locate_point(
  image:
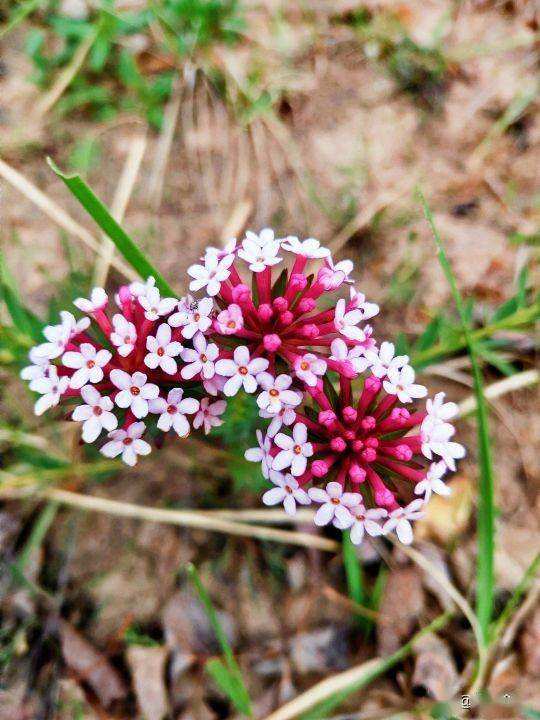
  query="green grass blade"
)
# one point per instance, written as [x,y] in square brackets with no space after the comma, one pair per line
[37,535]
[354,575]
[486,506]
[25,321]
[241,694]
[18,15]
[99,213]
[514,600]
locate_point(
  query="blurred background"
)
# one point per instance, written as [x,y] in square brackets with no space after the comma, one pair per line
[194,120]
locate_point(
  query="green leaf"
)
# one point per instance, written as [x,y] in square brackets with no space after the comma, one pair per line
[330,391]
[496,359]
[355,576]
[486,506]
[99,213]
[228,683]
[24,320]
[430,334]
[37,535]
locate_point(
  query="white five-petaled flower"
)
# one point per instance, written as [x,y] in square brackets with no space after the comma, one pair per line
[309,367]
[439,410]
[294,451]
[275,393]
[208,415]
[38,369]
[155,306]
[400,520]
[230,320]
[264,238]
[124,335]
[88,364]
[98,300]
[192,316]
[228,249]
[333,275]
[241,370]
[368,309]
[135,392]
[161,351]
[127,443]
[346,322]
[50,389]
[366,521]
[58,336]
[211,274]
[354,356]
[95,415]
[286,416]
[309,248]
[383,360]
[433,482]
[287,491]
[258,256]
[172,411]
[138,288]
[335,505]
[401,383]
[201,358]
[261,454]
[436,439]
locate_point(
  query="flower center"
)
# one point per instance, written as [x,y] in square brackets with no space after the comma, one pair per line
[160,351]
[127,340]
[243,370]
[197,317]
[231,324]
[297,449]
[55,390]
[304,365]
[90,364]
[204,358]
[335,501]
[135,390]
[288,489]
[127,441]
[171,409]
[273,392]
[97,410]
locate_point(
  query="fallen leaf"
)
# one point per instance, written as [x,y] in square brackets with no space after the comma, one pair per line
[435,674]
[147,666]
[404,583]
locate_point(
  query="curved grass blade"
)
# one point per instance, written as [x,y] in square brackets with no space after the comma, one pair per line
[99,213]
[486,506]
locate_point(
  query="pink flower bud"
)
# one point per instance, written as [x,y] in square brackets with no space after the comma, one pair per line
[400,415]
[356,473]
[372,384]
[280,304]
[124,294]
[403,452]
[309,331]
[368,423]
[338,444]
[271,342]
[369,455]
[265,312]
[241,293]
[298,281]
[306,305]
[349,414]
[357,445]
[372,442]
[319,468]
[286,317]
[384,498]
[327,417]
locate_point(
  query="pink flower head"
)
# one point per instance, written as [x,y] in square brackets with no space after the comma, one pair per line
[272,294]
[141,362]
[368,450]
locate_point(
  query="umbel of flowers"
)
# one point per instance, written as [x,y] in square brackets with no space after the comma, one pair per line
[362,456]
[147,364]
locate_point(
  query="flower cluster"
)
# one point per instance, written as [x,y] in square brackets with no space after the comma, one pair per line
[147,365]
[282,321]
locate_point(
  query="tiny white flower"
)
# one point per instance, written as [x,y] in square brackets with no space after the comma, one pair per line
[366,521]
[275,393]
[287,491]
[95,415]
[439,410]
[193,316]
[333,275]
[155,306]
[50,388]
[354,356]
[383,360]
[208,415]
[138,288]
[135,392]
[286,416]
[161,351]
[436,439]
[211,274]
[98,300]
[241,371]
[261,454]
[335,505]
[367,309]
[258,256]
[401,383]
[228,249]
[294,450]
[346,322]
[265,238]
[433,482]
[400,520]
[58,336]
[214,385]
[127,443]
[124,335]
[38,369]
[309,248]
[200,359]
[88,364]
[309,367]
[172,411]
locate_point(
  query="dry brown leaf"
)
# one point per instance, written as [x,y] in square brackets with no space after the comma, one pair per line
[404,583]
[530,644]
[91,666]
[147,666]
[435,674]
